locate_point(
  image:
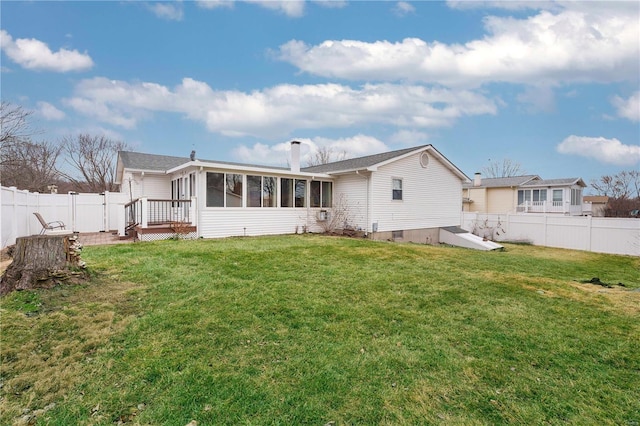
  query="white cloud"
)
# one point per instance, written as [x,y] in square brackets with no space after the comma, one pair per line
[215,4]
[278,110]
[538,99]
[608,151]
[50,112]
[549,49]
[279,154]
[36,55]
[173,10]
[628,108]
[502,4]
[332,4]
[291,8]
[409,137]
[402,8]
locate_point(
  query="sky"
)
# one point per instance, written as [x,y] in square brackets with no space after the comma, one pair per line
[553,86]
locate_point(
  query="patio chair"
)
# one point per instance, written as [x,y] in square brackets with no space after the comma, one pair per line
[49,226]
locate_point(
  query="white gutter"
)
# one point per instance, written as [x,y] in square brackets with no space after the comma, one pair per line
[241,168]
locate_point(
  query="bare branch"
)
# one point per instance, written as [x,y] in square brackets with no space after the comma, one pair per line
[325,155]
[93,158]
[504,168]
[14,124]
[30,165]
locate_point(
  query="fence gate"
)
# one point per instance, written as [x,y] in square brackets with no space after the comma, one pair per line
[88,212]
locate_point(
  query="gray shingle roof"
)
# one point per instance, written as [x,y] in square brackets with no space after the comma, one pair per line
[556,182]
[140,161]
[360,162]
[503,182]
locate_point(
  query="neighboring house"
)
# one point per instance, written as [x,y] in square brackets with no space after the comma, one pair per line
[405,195]
[595,205]
[523,194]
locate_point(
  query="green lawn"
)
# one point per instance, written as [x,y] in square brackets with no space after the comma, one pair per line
[311,330]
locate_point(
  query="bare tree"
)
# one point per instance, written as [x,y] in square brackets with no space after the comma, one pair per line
[93,159]
[14,125]
[325,155]
[29,165]
[623,190]
[624,185]
[504,168]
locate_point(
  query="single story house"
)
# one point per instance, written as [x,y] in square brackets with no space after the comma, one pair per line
[595,205]
[523,194]
[402,195]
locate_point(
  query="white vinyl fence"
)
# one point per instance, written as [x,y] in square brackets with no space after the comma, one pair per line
[597,234]
[79,212]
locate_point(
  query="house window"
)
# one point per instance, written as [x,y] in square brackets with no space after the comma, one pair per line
[327,194]
[557,197]
[576,197]
[321,194]
[396,192]
[293,192]
[175,189]
[315,193]
[254,191]
[539,195]
[269,191]
[301,193]
[233,191]
[192,184]
[261,191]
[215,189]
[397,235]
[286,192]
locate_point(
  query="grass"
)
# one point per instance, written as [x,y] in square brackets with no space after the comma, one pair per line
[312,330]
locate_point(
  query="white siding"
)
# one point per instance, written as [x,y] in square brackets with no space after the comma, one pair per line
[350,192]
[232,222]
[154,186]
[217,222]
[431,197]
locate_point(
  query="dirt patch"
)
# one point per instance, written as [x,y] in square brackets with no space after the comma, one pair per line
[627,300]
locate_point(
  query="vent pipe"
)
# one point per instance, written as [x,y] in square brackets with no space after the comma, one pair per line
[295,156]
[477,179]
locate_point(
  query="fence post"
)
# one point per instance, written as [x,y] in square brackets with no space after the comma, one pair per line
[144,212]
[589,232]
[105,210]
[14,214]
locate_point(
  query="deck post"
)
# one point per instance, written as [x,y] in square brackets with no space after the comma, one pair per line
[144,212]
[122,218]
[193,211]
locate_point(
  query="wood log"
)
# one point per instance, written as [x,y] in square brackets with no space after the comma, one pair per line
[42,261]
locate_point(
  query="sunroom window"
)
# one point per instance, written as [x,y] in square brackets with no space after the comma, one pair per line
[321,194]
[233,193]
[215,189]
[261,191]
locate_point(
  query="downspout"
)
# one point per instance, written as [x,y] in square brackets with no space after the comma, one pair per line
[367,219]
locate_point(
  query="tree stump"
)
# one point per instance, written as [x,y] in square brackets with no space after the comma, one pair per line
[42,261]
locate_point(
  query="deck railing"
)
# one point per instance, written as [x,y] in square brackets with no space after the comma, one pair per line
[148,212]
[548,207]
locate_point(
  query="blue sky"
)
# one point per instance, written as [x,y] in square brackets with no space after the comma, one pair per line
[552,85]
